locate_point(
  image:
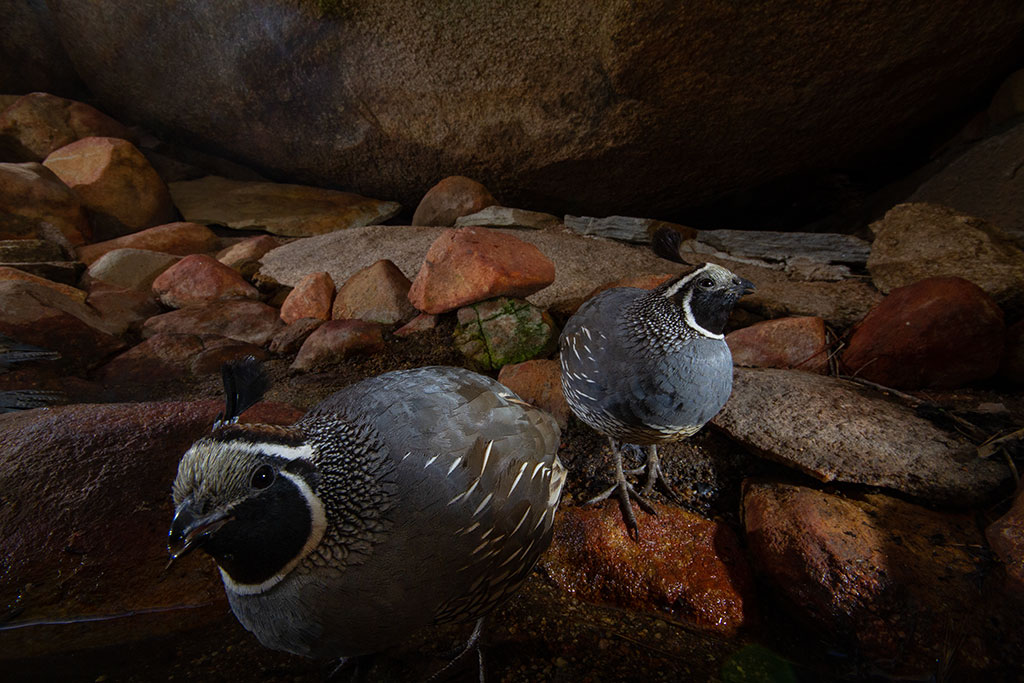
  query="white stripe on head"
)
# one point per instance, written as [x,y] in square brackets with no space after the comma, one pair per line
[674,289]
[692,322]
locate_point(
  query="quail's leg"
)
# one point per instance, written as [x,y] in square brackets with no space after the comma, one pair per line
[625,492]
[656,476]
[472,644]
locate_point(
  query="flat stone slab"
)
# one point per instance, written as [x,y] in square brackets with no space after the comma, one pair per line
[835,430]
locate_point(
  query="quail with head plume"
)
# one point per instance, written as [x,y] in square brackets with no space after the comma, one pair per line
[651,366]
[413,498]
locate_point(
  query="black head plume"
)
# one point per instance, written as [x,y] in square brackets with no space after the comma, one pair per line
[665,244]
[245,382]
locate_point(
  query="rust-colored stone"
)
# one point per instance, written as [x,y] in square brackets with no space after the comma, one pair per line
[336,340]
[797,342]
[244,320]
[452,198]
[31,196]
[311,298]
[378,293]
[199,279]
[180,238]
[540,383]
[39,123]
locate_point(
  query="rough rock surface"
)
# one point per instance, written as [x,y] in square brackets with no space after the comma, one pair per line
[38,123]
[115,182]
[650,126]
[336,340]
[293,336]
[122,309]
[834,430]
[539,382]
[180,238]
[684,565]
[248,321]
[939,332]
[798,343]
[505,217]
[200,279]
[466,265]
[496,332]
[8,273]
[165,357]
[100,549]
[31,196]
[311,298]
[901,581]
[279,208]
[918,241]
[245,256]
[130,268]
[378,293]
[450,199]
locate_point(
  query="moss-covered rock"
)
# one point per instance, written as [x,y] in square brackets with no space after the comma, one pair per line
[496,332]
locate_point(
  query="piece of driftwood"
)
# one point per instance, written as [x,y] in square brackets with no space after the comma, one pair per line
[786,247]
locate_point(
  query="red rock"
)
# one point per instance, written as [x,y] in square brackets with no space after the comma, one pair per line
[378,293]
[467,265]
[424,322]
[538,382]
[122,309]
[336,340]
[36,124]
[245,255]
[291,338]
[891,575]
[1006,538]
[1012,367]
[684,566]
[115,182]
[798,343]
[199,279]
[180,239]
[100,549]
[168,357]
[244,320]
[8,273]
[939,332]
[311,298]
[39,315]
[453,197]
[30,195]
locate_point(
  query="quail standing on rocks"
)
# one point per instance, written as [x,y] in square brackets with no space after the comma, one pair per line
[650,366]
[413,498]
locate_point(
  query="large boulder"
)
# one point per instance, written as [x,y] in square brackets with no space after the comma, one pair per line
[605,106]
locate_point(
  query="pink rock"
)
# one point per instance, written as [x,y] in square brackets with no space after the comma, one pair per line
[30,196]
[199,279]
[293,336]
[538,382]
[122,309]
[467,265]
[684,566]
[244,320]
[453,197]
[180,238]
[424,322]
[311,298]
[39,123]
[939,332]
[798,343]
[1006,538]
[115,182]
[245,256]
[336,340]
[378,293]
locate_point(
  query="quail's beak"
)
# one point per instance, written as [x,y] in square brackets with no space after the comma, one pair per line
[189,530]
[742,286]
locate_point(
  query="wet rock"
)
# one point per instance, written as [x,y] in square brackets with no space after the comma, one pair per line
[798,343]
[451,198]
[685,566]
[835,430]
[1012,367]
[130,268]
[624,228]
[311,298]
[539,382]
[31,196]
[467,265]
[1006,538]
[93,566]
[497,332]
[180,238]
[424,322]
[37,124]
[293,336]
[245,255]
[9,274]
[336,340]
[377,293]
[279,208]
[200,279]
[38,314]
[893,577]
[505,217]
[116,184]
[939,332]
[918,241]
[122,309]
[244,320]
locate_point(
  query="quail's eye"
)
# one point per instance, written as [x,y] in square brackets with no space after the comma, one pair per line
[262,477]
[706,283]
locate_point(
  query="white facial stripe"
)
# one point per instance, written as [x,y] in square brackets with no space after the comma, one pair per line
[303,452]
[318,527]
[674,289]
[692,322]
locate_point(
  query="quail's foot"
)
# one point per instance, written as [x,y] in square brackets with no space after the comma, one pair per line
[473,643]
[656,477]
[625,493]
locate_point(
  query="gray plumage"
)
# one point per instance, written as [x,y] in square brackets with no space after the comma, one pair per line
[437,488]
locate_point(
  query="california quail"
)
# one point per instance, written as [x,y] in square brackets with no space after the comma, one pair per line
[413,498]
[650,366]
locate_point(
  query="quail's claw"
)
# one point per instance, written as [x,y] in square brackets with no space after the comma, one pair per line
[656,477]
[626,493]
